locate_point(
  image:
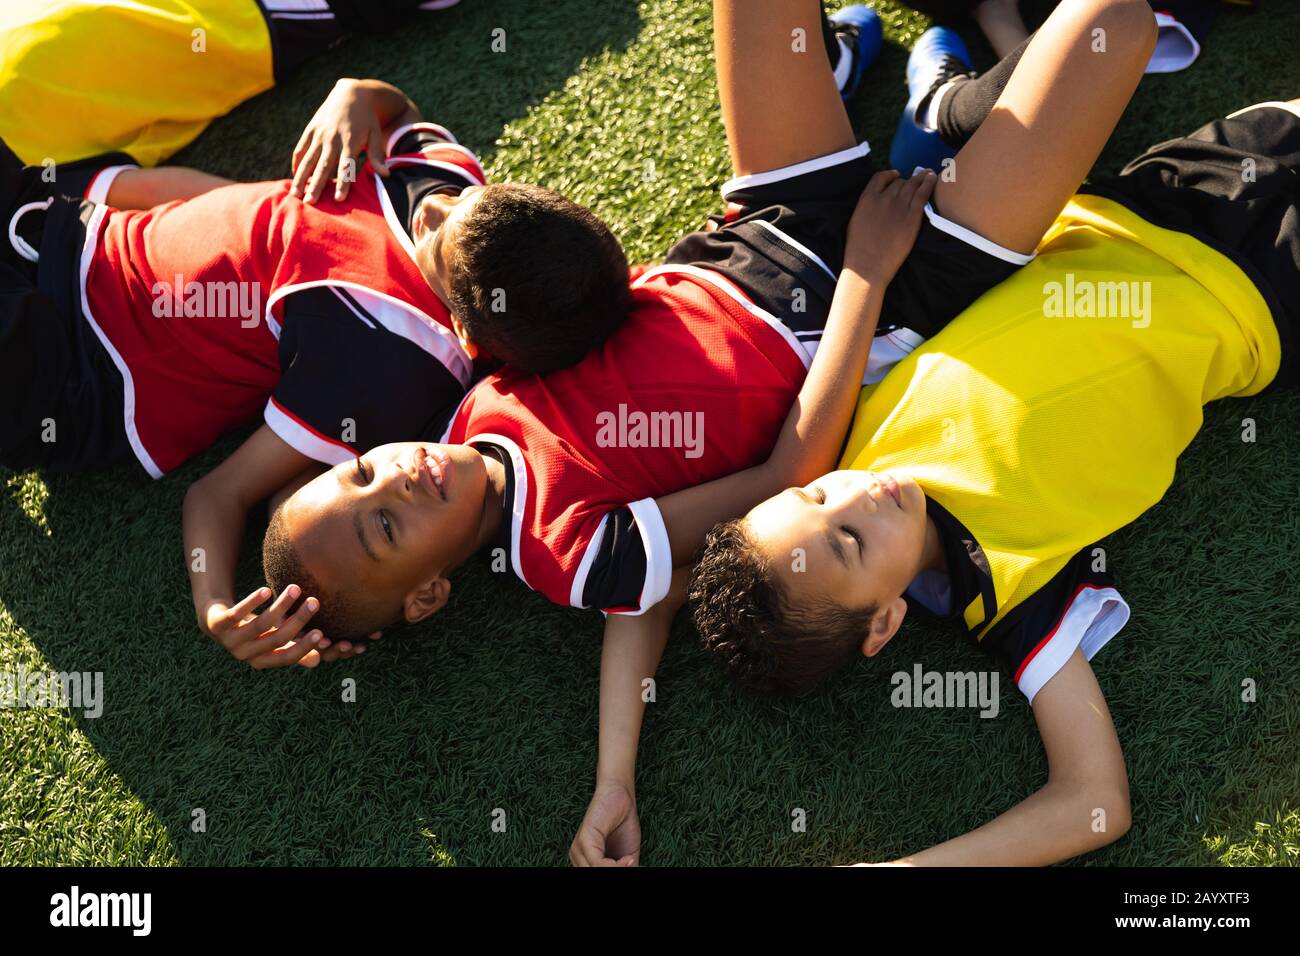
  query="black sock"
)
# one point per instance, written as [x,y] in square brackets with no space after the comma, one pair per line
[971,99]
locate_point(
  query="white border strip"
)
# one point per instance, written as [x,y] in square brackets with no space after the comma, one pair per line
[1094,616]
[394,224]
[350,307]
[277,6]
[103,182]
[434,128]
[792,242]
[886,351]
[404,159]
[407,321]
[303,440]
[721,283]
[972,238]
[451,422]
[798,169]
[658,554]
[520,500]
[584,567]
[128,383]
[1276,104]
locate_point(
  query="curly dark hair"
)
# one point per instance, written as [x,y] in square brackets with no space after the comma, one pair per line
[766,644]
[537,280]
[282,565]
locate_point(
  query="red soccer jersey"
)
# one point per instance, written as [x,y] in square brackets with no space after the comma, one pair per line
[186,299]
[693,386]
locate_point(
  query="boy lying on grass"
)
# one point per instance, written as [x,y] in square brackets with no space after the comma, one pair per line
[146,312]
[981,472]
[595,514]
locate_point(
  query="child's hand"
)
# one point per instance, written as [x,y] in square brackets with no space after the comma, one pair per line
[346,125]
[343,650]
[265,640]
[610,834]
[885,223]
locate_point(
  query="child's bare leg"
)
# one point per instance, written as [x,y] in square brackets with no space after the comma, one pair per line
[1050,123]
[779,100]
[1002,24]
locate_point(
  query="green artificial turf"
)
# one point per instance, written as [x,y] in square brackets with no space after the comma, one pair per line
[494,704]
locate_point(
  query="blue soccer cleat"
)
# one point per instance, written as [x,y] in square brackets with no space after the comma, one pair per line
[859,27]
[937,57]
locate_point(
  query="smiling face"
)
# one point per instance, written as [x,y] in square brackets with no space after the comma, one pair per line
[387,528]
[860,535]
[434,228]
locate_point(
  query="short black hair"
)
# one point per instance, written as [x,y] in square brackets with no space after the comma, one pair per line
[282,565]
[537,280]
[765,644]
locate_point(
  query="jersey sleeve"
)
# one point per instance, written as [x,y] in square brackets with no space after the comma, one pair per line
[428,153]
[617,573]
[627,566]
[1079,608]
[424,158]
[347,383]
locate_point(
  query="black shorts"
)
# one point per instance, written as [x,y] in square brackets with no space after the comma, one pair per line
[1234,184]
[783,240]
[60,393]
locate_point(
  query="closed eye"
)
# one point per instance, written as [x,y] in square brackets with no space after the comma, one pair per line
[386,525]
[820,494]
[363,478]
[855,536]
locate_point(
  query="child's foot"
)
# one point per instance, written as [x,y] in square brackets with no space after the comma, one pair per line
[938,57]
[861,35]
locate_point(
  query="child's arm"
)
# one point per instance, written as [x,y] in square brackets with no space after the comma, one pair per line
[610,834]
[215,512]
[1083,806]
[880,235]
[146,188]
[352,120]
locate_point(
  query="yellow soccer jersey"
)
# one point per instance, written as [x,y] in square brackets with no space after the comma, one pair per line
[1051,412]
[84,77]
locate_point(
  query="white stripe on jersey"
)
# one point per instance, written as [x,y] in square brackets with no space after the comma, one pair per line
[347,302]
[658,554]
[302,439]
[434,128]
[520,498]
[584,567]
[400,318]
[128,383]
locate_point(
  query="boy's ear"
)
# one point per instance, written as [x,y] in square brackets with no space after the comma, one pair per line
[426,600]
[884,626]
[463,334]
